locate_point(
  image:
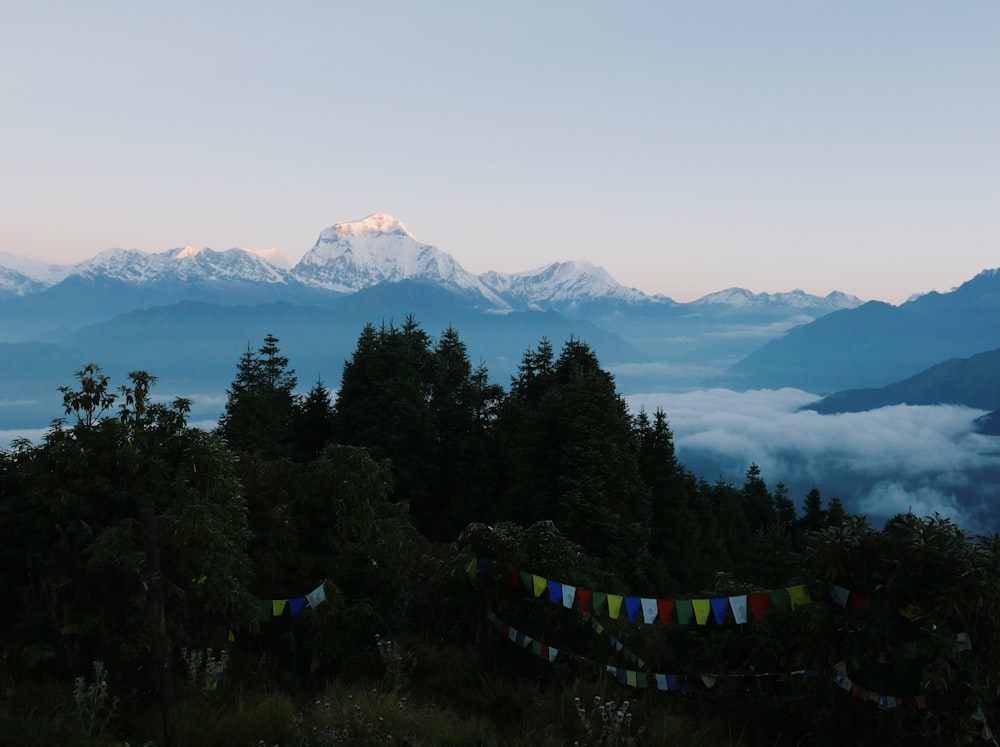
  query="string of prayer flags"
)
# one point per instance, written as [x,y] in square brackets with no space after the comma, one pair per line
[884,702]
[549,653]
[642,679]
[701,610]
[271,608]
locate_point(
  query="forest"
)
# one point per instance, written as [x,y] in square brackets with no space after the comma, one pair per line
[419,556]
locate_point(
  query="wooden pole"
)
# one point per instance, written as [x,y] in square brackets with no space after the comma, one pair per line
[161,650]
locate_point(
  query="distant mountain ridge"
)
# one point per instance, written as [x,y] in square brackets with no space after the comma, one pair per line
[972,382]
[348,257]
[876,344]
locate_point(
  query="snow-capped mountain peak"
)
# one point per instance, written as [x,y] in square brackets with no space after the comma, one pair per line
[186,264]
[23,276]
[741,298]
[348,257]
[561,284]
[376,223]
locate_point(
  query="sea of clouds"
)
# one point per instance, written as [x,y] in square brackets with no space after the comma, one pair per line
[925,459]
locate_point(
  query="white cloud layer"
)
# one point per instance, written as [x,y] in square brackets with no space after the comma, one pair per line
[926,459]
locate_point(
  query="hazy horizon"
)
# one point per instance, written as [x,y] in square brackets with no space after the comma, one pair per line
[682,297]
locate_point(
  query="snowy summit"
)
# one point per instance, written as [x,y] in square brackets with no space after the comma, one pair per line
[374,223]
[350,256]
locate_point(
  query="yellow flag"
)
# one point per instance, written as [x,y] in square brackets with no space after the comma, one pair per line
[470,569]
[701,609]
[799,596]
[231,636]
[630,678]
[278,606]
[539,583]
[614,606]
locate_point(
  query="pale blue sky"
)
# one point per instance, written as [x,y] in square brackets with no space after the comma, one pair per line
[683,146]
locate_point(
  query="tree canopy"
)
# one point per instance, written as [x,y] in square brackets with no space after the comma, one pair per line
[426,502]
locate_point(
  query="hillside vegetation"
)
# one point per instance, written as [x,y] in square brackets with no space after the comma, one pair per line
[430,558]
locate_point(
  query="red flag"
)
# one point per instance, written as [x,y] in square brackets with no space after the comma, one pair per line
[760,603]
[666,608]
[583,597]
[860,603]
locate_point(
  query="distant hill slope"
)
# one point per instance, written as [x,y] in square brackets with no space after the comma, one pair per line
[876,344]
[973,382]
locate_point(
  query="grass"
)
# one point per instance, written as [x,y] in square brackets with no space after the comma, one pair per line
[452,700]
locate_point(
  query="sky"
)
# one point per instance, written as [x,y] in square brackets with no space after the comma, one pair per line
[685,147]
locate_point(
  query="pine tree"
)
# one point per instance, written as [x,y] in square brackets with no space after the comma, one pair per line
[758,504]
[461,406]
[675,534]
[261,402]
[312,422]
[784,507]
[383,404]
[813,515]
[573,456]
[835,513]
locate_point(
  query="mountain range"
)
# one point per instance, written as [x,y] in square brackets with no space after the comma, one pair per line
[186,315]
[876,344]
[347,258]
